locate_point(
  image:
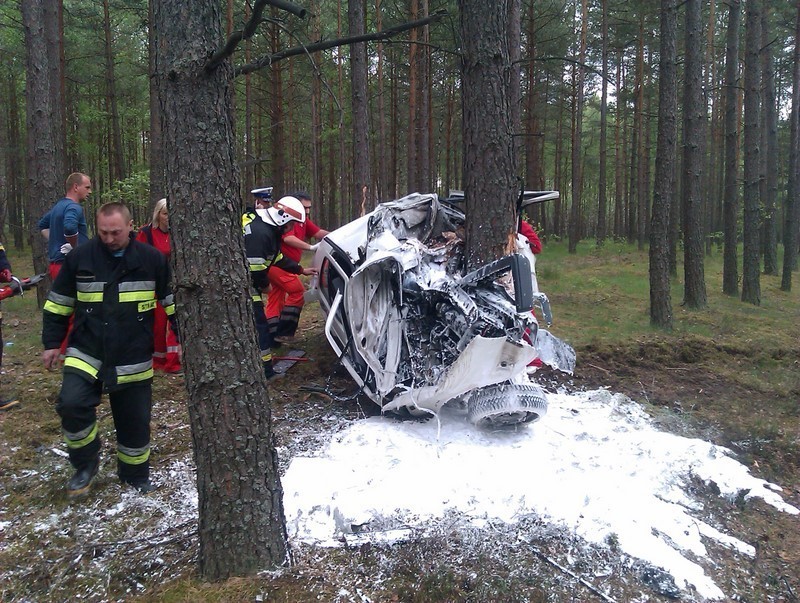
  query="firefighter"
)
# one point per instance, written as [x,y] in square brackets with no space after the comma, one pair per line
[263,229]
[6,402]
[111,285]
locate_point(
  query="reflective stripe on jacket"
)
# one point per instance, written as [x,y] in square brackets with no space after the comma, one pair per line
[113,302]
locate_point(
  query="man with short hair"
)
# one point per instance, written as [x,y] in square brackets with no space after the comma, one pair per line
[286,297]
[64,226]
[111,285]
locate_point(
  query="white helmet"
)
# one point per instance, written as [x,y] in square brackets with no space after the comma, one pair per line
[285,210]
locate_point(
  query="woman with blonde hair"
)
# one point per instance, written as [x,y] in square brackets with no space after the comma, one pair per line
[166,351]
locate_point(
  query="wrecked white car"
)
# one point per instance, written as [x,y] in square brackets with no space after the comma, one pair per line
[417,332]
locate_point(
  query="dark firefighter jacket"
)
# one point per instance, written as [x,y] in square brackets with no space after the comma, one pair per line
[262,243]
[113,301]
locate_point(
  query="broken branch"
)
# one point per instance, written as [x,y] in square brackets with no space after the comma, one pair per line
[325,45]
[250,28]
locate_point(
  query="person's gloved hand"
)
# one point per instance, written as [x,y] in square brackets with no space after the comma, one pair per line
[65,248]
[5,275]
[313,247]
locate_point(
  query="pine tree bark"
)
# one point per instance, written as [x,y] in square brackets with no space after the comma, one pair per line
[730,205]
[277,140]
[241,522]
[664,188]
[381,143]
[769,148]
[158,183]
[15,173]
[117,169]
[489,168]
[362,180]
[751,283]
[619,154]
[576,214]
[694,120]
[45,150]
[641,154]
[792,219]
[534,157]
[603,152]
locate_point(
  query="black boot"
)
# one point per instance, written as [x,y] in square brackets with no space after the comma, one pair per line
[144,486]
[80,482]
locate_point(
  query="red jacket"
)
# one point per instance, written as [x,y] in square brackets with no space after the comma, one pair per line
[155,237]
[529,233]
[302,231]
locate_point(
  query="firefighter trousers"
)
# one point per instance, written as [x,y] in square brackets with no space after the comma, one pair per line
[265,339]
[130,406]
[284,301]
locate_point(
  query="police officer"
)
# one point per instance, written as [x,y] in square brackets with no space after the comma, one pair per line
[111,284]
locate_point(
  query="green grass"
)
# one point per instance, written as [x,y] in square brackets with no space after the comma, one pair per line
[603,296]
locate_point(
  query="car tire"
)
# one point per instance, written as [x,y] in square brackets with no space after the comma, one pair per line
[506,405]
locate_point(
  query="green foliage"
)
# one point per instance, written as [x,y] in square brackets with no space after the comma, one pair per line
[133,191]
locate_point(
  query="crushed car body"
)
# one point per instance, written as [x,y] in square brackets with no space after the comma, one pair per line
[417,332]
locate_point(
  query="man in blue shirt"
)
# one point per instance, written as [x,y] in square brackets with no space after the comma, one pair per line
[64,226]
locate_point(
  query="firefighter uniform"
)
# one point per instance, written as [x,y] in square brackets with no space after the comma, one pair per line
[262,243]
[110,348]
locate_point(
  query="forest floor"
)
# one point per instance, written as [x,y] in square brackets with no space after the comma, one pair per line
[738,391]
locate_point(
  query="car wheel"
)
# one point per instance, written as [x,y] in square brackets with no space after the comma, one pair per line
[506,404]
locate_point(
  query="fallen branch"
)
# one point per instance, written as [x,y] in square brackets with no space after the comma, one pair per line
[147,542]
[599,368]
[575,576]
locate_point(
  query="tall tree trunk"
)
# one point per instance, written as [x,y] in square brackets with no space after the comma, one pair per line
[158,183]
[751,282]
[249,156]
[362,181]
[769,149]
[534,157]
[619,154]
[424,182]
[53,40]
[792,220]
[577,137]
[664,189]
[558,178]
[14,162]
[633,164]
[394,139]
[489,169]
[346,201]
[277,140]
[694,121]
[641,154]
[45,150]
[381,143]
[515,53]
[317,175]
[117,169]
[412,150]
[602,185]
[707,192]
[241,522]
[730,270]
